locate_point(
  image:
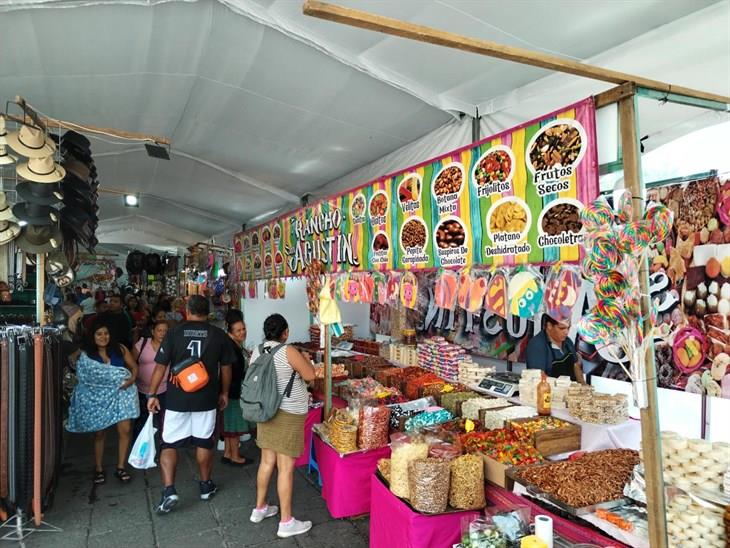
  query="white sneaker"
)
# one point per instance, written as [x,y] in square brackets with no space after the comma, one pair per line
[245,437]
[257,516]
[294,527]
[221,445]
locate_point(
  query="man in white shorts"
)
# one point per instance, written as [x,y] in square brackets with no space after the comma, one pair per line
[190,416]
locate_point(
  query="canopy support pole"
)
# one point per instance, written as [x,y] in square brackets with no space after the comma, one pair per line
[650,439]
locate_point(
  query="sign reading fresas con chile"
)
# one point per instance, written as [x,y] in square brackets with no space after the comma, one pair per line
[512,198]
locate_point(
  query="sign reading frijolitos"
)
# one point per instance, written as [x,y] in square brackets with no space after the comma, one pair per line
[513,198]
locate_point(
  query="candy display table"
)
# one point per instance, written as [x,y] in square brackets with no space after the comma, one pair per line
[394,523]
[345,479]
[313,417]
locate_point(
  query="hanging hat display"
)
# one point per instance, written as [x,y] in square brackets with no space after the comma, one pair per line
[39,193]
[41,170]
[35,214]
[31,142]
[78,169]
[39,239]
[8,232]
[76,144]
[5,157]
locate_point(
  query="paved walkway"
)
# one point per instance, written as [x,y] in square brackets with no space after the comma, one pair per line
[122,516]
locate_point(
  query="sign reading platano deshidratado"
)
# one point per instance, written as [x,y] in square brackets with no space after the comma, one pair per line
[513,198]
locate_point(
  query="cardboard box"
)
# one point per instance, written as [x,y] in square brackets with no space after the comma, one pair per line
[495,472]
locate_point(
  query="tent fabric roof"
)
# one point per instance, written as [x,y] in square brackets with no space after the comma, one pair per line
[263,104]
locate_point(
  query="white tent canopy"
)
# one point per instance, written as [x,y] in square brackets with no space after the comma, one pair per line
[264,105]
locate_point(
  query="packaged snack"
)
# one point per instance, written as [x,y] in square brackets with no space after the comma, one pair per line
[467,483]
[373,427]
[404,450]
[428,485]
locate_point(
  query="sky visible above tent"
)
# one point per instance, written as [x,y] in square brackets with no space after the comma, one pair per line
[263,104]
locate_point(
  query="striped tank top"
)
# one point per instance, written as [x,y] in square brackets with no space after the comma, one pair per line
[298,402]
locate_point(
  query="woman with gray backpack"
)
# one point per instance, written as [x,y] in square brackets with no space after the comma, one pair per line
[274,394]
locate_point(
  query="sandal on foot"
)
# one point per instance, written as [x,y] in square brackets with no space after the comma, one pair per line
[99,477]
[122,475]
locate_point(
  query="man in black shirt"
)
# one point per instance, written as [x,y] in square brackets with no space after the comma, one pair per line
[190,416]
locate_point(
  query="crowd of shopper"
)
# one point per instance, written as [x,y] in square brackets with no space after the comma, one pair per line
[135,344]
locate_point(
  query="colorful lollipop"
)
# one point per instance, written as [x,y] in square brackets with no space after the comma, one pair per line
[593,330]
[611,285]
[602,249]
[611,313]
[635,237]
[660,219]
[596,215]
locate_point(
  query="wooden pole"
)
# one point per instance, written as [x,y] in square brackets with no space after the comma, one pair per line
[40,288]
[650,439]
[327,370]
[430,35]
[44,122]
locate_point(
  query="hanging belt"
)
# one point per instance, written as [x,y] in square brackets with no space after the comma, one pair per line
[4,396]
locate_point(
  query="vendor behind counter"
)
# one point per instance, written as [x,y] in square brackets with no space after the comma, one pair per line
[553,352]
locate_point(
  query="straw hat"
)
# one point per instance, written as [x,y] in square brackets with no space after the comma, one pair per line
[5,157]
[41,170]
[35,214]
[3,131]
[31,142]
[39,239]
[6,213]
[8,232]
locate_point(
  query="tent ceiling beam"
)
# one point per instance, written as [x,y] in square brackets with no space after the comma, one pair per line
[44,122]
[430,35]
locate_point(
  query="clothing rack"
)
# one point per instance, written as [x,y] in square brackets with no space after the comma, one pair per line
[31,430]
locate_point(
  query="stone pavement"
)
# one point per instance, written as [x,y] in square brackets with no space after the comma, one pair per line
[114,515]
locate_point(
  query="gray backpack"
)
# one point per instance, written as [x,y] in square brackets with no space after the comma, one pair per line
[260,398]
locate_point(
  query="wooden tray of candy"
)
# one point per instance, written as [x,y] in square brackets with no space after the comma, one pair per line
[555,441]
[513,474]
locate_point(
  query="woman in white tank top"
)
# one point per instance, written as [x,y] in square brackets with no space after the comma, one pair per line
[281,439]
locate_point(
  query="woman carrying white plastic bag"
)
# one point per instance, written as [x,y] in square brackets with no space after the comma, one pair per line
[143,451]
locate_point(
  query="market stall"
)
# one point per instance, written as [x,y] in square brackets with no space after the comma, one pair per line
[466,252]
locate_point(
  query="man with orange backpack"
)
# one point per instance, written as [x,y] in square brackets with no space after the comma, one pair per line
[199,356]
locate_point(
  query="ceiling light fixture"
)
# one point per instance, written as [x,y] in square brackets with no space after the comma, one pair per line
[131,200]
[22,223]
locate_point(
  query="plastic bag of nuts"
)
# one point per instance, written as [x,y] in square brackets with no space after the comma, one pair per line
[428,485]
[374,426]
[467,483]
[404,450]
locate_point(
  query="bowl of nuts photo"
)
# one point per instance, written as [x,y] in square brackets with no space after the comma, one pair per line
[450,233]
[561,143]
[449,180]
[508,220]
[413,235]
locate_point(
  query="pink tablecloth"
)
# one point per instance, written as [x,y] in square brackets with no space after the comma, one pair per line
[346,480]
[313,417]
[394,523]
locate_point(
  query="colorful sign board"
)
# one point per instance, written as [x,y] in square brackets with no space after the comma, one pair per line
[514,198]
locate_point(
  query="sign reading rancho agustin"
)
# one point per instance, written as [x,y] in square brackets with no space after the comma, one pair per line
[513,198]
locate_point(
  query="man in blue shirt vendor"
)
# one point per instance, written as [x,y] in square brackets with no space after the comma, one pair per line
[552,351]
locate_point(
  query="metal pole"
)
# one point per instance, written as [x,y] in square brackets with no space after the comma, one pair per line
[327,370]
[650,439]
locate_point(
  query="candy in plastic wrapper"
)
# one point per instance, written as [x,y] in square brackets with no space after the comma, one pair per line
[428,418]
[513,524]
[480,533]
